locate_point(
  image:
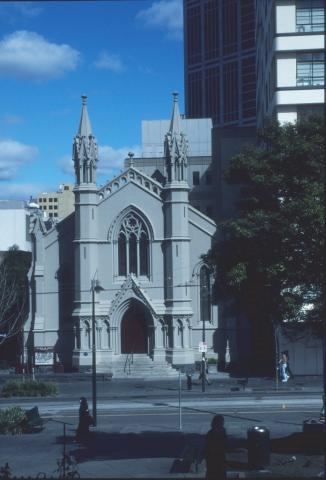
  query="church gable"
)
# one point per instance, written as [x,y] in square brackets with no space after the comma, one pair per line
[133,176]
[131,289]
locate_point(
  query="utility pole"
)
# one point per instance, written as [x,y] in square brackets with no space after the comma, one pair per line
[95,287]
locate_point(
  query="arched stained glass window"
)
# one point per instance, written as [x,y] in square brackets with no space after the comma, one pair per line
[133,246]
[205,294]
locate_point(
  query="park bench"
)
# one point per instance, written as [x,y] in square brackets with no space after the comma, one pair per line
[32,421]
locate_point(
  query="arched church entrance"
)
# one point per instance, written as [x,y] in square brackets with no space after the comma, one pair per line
[136,329]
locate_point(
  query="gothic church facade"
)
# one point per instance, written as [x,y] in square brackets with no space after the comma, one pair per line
[131,255]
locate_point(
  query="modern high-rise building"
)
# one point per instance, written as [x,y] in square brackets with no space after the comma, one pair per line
[220,59]
[290,42]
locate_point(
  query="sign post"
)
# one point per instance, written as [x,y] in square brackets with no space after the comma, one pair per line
[202,347]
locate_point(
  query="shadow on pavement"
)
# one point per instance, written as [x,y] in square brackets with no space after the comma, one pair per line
[299,443]
[113,446]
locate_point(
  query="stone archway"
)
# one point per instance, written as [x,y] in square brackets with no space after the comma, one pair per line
[135,329]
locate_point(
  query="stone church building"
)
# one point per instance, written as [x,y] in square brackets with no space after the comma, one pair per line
[131,254]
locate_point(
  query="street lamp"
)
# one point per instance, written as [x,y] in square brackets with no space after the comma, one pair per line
[95,287]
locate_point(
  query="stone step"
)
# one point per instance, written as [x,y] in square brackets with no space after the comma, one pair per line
[142,366]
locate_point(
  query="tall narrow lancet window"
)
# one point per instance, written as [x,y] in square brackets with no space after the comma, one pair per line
[122,253]
[133,247]
[133,253]
[143,253]
[205,294]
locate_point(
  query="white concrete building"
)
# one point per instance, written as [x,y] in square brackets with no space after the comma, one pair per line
[290,39]
[14,222]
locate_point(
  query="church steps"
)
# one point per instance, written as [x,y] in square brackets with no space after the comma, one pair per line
[141,367]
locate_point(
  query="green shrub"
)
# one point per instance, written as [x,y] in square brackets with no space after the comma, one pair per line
[11,420]
[211,361]
[30,388]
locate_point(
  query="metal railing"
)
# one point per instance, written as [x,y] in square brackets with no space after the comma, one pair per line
[129,361]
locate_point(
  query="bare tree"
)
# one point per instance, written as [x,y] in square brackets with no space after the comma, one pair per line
[13,295]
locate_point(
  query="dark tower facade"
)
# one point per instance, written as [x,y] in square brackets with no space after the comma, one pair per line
[220,80]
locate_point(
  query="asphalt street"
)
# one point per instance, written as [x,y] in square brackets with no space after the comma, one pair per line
[138,429]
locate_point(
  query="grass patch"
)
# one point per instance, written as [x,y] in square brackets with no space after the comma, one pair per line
[11,421]
[29,388]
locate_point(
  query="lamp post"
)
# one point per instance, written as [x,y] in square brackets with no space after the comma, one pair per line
[95,287]
[203,360]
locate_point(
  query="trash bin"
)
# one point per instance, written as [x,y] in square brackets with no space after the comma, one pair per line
[258,444]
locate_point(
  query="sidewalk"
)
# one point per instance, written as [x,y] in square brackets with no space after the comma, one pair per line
[220,384]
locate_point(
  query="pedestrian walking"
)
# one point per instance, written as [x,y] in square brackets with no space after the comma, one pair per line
[85,420]
[189,381]
[322,411]
[284,367]
[215,450]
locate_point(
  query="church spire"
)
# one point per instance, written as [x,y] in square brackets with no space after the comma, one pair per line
[85,128]
[176,146]
[175,119]
[85,149]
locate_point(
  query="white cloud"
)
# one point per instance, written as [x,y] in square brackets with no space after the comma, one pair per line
[66,164]
[11,119]
[29,55]
[21,191]
[110,62]
[111,160]
[110,163]
[27,9]
[15,10]
[165,15]
[12,155]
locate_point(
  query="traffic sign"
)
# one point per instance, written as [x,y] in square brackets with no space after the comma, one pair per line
[202,347]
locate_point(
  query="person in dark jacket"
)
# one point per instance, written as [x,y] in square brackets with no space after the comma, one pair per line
[85,420]
[215,450]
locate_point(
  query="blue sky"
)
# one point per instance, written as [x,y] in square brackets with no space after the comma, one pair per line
[125,55]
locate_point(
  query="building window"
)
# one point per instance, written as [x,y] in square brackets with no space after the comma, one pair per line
[211,31]
[195,178]
[205,294]
[50,207]
[247,24]
[231,93]
[193,35]
[248,87]
[194,95]
[55,199]
[212,85]
[55,214]
[40,200]
[50,199]
[55,207]
[310,16]
[66,187]
[230,26]
[133,247]
[310,69]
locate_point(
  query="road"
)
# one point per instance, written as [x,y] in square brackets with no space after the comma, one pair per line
[279,413]
[142,434]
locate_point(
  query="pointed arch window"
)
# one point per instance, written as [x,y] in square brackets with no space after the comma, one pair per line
[133,247]
[205,294]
